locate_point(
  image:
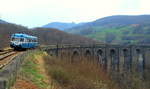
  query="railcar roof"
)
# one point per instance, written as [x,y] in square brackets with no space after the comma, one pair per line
[22,35]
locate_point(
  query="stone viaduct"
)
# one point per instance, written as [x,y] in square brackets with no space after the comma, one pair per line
[114,57]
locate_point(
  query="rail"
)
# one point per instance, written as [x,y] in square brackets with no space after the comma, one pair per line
[6,58]
[10,62]
[6,51]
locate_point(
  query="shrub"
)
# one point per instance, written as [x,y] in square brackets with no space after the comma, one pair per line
[82,74]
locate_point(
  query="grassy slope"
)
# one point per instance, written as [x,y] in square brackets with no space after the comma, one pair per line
[31,70]
[127,29]
[99,33]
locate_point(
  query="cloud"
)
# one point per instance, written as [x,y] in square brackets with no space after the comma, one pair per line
[145,6]
[39,12]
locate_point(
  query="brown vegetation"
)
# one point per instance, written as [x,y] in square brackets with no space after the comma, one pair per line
[23,84]
[54,36]
[50,72]
[131,80]
[81,74]
[6,30]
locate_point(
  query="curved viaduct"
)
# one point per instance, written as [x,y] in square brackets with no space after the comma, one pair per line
[114,57]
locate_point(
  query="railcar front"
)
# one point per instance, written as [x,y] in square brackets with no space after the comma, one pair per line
[16,41]
[23,41]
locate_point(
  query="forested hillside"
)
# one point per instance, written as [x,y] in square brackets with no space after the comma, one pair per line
[54,36]
[7,29]
[45,36]
[117,29]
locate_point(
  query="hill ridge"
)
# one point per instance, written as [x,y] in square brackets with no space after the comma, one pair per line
[126,29]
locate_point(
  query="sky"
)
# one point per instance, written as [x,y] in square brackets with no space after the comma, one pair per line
[35,13]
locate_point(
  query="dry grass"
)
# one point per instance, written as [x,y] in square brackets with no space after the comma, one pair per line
[132,80]
[82,74]
[33,71]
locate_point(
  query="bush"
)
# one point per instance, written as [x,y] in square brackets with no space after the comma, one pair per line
[60,76]
[82,74]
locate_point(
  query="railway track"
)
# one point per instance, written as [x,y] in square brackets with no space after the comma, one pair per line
[6,51]
[6,57]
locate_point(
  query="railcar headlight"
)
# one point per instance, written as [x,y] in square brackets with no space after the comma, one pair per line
[16,43]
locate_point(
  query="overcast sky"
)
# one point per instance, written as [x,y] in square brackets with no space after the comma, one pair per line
[33,13]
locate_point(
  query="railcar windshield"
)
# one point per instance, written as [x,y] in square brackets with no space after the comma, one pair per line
[12,39]
[17,39]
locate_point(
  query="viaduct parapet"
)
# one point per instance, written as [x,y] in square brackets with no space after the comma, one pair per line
[111,57]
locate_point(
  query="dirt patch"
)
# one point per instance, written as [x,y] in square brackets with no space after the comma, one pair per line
[23,84]
[41,67]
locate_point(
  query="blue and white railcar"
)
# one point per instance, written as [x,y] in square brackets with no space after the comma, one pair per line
[23,41]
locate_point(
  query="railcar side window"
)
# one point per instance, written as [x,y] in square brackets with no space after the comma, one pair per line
[29,40]
[21,40]
[25,40]
[36,40]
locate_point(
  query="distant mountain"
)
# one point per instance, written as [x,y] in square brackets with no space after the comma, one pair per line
[122,20]
[2,21]
[117,29]
[61,25]
[114,21]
